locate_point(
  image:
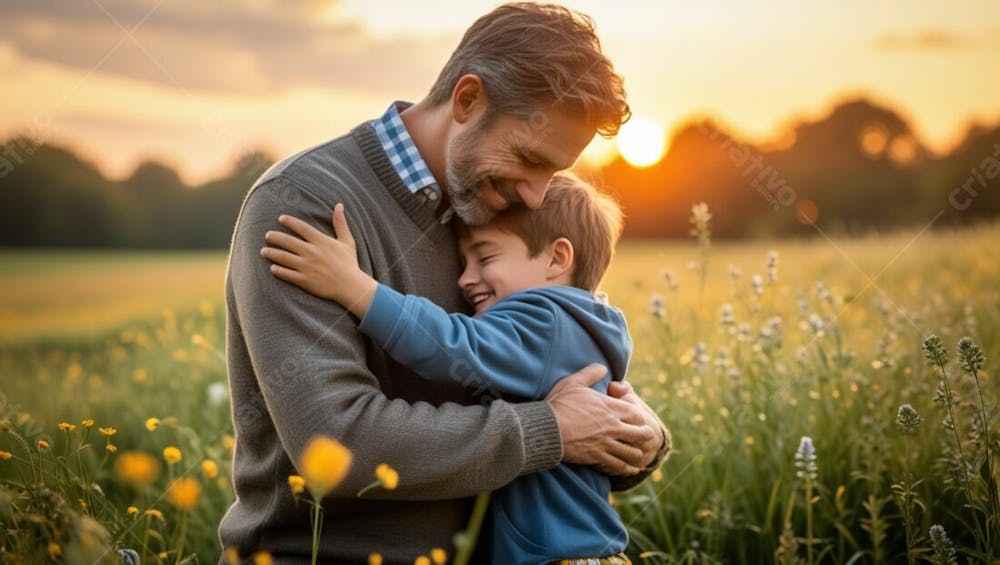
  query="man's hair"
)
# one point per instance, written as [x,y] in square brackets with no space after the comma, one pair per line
[574,209]
[533,57]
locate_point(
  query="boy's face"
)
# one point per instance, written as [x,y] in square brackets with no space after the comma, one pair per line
[497,265]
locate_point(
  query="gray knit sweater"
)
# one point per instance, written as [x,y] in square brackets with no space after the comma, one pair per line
[298,368]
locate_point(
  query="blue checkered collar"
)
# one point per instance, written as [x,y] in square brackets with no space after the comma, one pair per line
[403,154]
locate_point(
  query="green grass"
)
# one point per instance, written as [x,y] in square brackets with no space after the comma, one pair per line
[737,405]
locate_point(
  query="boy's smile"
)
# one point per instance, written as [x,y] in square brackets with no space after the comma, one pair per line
[497,265]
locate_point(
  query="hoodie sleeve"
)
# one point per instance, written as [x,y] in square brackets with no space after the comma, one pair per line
[505,350]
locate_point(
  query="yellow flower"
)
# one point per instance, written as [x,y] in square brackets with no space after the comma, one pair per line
[87,423]
[297,483]
[108,431]
[154,513]
[422,560]
[66,426]
[229,442]
[152,424]
[657,476]
[5,455]
[171,454]
[131,510]
[387,476]
[262,558]
[111,448]
[42,444]
[439,556]
[209,469]
[184,493]
[137,467]
[54,550]
[231,556]
[324,463]
[374,559]
[196,339]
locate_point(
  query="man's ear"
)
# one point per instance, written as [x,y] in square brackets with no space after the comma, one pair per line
[560,258]
[468,99]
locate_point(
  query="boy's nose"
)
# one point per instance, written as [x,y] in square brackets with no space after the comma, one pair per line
[466,279]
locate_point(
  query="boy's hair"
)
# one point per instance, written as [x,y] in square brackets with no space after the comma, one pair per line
[531,57]
[574,209]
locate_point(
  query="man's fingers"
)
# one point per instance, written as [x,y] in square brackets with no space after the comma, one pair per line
[618,389]
[304,230]
[282,257]
[340,228]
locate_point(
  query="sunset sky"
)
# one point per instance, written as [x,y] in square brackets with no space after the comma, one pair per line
[194,83]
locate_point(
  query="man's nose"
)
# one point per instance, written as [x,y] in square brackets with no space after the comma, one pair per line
[532,190]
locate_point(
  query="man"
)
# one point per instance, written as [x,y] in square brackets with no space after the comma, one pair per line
[520,98]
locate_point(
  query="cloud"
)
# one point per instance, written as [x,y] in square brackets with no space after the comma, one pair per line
[926,39]
[225,46]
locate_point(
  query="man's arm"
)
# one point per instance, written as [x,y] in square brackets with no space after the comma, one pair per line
[310,364]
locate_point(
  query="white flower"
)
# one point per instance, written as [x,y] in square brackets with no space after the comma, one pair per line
[217,393]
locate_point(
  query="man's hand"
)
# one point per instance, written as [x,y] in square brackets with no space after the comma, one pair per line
[615,434]
[624,391]
[323,265]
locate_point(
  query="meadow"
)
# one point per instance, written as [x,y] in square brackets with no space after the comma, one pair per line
[779,367]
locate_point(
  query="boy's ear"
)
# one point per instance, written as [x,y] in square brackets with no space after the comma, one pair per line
[468,98]
[560,258]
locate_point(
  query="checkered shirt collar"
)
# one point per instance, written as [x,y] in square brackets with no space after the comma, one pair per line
[403,153]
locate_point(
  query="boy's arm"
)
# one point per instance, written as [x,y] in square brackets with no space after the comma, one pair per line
[504,350]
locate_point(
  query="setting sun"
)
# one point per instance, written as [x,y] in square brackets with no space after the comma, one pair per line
[641,142]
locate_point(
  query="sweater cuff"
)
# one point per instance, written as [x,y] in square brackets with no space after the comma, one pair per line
[383,313]
[540,430]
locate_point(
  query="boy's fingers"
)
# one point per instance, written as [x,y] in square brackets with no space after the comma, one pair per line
[340,227]
[286,241]
[282,257]
[304,230]
[286,274]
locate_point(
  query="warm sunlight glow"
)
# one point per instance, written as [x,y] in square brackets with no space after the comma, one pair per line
[642,142]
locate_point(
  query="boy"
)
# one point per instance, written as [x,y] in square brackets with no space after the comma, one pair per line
[530,276]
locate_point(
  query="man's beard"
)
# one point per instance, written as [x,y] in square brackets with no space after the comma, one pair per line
[465,184]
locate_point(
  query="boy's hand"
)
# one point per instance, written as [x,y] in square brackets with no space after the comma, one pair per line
[323,265]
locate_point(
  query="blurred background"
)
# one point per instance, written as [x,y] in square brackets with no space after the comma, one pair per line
[847,152]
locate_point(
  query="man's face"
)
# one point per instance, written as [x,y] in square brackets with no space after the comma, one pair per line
[496,265]
[510,161]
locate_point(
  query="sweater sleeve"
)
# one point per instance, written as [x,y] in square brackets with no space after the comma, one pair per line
[504,350]
[309,363]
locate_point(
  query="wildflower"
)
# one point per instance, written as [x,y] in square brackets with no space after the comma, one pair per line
[439,556]
[944,550]
[5,455]
[42,444]
[726,315]
[805,459]
[657,476]
[199,341]
[231,556]
[297,483]
[422,560]
[131,510]
[735,273]
[262,558]
[54,550]
[152,424]
[184,493]
[908,418]
[87,423]
[137,467]
[171,454]
[324,463]
[66,426]
[374,559]
[772,266]
[108,431]
[935,351]
[209,469]
[387,476]
[758,284]
[229,442]
[217,393]
[656,306]
[970,357]
[111,448]
[944,396]
[816,325]
[153,512]
[701,218]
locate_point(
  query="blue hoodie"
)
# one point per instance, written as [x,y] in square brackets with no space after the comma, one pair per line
[523,345]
